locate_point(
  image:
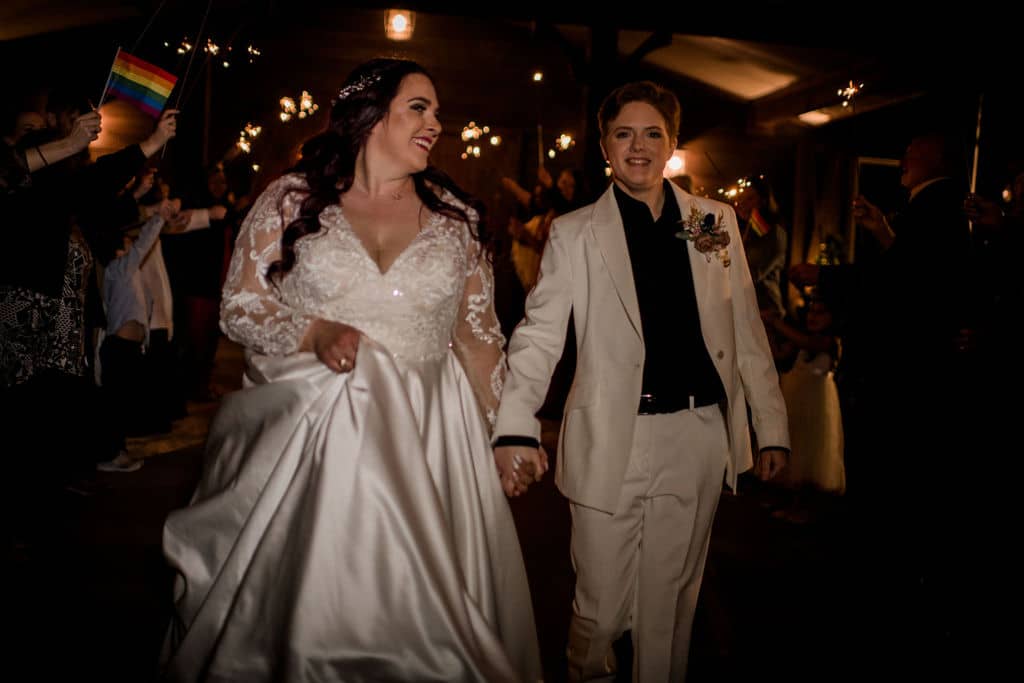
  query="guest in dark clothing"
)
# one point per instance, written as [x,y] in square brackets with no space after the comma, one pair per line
[196,263]
[911,417]
[60,421]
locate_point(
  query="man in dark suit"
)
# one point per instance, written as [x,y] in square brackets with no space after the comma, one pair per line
[909,410]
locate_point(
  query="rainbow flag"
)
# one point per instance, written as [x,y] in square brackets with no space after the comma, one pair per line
[759,224]
[144,85]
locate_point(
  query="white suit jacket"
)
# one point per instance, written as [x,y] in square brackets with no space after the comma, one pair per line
[585,269]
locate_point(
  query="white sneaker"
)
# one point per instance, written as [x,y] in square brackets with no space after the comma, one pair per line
[122,463]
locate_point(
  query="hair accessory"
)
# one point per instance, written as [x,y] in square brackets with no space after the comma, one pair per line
[362,84]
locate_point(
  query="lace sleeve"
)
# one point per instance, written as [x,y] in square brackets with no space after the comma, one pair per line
[251,311]
[477,339]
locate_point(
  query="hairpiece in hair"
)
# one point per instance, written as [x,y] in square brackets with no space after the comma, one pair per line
[362,84]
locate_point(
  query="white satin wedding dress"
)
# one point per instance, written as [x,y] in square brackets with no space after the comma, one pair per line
[352,527]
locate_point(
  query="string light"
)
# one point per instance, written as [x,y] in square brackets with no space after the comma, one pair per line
[538,76]
[213,49]
[399,24]
[737,189]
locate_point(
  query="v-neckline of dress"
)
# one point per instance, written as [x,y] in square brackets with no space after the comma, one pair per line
[366,252]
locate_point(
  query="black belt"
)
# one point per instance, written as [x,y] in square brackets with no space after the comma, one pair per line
[653,404]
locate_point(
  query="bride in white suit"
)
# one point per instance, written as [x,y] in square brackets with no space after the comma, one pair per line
[670,349]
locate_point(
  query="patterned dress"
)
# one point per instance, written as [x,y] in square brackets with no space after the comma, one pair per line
[40,332]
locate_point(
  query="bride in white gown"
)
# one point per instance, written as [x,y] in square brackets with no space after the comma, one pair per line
[350,524]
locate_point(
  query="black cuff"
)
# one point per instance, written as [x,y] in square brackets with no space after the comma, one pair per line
[512,440]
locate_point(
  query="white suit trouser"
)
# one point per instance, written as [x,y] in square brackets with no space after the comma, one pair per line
[641,567]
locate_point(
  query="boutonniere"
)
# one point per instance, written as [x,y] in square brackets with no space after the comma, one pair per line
[707,232]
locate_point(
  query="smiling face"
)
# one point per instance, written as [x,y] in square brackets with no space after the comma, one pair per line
[637,146]
[410,127]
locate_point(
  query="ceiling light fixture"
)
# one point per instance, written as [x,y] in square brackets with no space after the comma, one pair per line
[399,24]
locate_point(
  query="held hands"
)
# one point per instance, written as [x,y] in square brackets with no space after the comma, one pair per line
[335,344]
[770,462]
[519,466]
[217,213]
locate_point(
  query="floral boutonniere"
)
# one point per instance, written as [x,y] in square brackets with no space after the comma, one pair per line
[707,232]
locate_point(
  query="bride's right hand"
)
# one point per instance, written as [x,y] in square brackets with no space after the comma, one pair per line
[335,344]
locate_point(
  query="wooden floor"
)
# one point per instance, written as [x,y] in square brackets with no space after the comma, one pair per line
[91,601]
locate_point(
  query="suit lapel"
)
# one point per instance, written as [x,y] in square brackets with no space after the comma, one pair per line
[610,235]
[698,262]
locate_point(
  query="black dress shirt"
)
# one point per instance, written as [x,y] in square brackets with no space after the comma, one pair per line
[677,363]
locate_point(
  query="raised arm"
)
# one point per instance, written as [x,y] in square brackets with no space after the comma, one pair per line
[251,310]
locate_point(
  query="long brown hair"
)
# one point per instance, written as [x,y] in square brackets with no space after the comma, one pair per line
[328,159]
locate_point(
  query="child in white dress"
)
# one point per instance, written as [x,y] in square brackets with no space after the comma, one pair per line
[812,403]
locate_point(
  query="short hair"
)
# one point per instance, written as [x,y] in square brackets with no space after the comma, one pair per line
[659,97]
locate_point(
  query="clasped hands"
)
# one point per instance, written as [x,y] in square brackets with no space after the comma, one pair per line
[519,466]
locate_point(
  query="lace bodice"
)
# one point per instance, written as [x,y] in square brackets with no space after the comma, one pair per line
[436,296]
